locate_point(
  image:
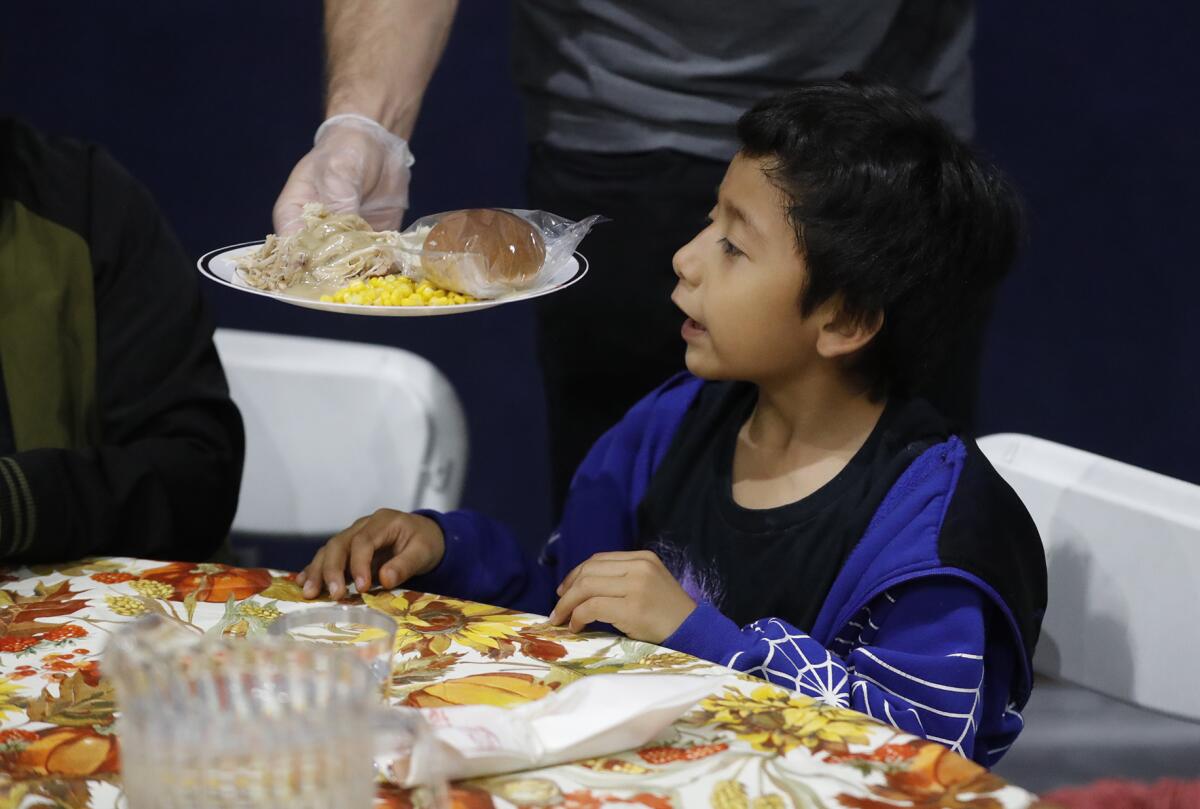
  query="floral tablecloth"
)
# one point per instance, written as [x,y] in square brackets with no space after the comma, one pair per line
[748,746]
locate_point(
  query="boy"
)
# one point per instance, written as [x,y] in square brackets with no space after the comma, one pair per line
[792,510]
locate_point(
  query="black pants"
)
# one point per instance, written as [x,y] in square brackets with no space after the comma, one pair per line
[613,337]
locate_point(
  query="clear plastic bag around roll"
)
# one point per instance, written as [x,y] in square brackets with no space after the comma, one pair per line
[490,252]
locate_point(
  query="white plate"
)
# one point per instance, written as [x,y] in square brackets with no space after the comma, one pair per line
[218,265]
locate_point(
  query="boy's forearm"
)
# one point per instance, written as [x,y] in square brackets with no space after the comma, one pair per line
[380,55]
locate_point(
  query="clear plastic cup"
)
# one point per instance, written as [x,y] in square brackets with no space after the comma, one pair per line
[225,723]
[369,633]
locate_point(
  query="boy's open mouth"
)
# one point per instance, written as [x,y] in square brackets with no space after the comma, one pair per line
[692,328]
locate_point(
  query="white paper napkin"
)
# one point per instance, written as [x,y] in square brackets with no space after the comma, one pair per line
[592,717]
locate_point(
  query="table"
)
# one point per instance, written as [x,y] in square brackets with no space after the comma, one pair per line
[749,745]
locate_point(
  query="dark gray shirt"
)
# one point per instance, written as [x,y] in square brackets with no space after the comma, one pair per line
[636,75]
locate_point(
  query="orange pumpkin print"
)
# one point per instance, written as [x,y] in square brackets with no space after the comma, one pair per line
[210,582]
[934,769]
[69,751]
[502,689]
[933,778]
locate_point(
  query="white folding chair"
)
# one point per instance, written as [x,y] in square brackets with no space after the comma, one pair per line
[335,430]
[1123,555]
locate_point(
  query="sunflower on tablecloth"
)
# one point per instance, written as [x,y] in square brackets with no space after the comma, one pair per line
[431,624]
[773,720]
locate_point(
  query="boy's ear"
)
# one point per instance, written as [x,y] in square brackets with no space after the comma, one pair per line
[842,333]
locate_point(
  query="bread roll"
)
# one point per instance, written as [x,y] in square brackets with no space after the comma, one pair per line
[511,248]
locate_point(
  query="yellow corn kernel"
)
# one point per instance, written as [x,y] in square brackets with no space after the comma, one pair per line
[396,290]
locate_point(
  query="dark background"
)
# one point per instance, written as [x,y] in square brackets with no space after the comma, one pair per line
[1088,106]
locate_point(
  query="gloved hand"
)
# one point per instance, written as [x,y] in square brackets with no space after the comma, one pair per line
[356,165]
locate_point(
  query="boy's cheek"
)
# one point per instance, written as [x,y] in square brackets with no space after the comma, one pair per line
[731,355]
[694,361]
[701,362]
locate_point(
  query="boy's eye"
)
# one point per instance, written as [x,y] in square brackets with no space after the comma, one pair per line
[730,248]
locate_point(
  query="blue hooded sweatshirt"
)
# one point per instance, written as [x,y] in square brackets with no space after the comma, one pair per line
[929,626]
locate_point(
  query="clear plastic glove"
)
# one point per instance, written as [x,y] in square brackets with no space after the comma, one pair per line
[356,165]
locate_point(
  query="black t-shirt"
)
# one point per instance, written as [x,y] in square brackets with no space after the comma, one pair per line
[776,562]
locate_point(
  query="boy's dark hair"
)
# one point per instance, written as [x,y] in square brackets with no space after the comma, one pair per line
[892,212]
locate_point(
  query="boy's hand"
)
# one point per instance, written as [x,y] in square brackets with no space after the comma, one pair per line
[389,545]
[631,590]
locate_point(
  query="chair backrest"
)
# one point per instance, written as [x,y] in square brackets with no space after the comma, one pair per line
[335,430]
[1123,551]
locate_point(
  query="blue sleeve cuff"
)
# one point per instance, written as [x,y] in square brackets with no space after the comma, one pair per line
[452,575]
[483,562]
[708,634]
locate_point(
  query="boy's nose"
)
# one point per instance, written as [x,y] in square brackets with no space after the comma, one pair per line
[684,263]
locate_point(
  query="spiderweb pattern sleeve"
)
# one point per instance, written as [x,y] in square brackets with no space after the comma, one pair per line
[914,659]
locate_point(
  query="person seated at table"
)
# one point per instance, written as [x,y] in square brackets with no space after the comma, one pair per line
[117,434]
[791,508]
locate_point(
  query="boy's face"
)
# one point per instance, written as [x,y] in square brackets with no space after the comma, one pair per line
[740,281]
